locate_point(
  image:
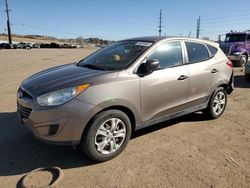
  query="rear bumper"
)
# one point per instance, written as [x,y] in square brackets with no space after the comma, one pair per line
[230,86]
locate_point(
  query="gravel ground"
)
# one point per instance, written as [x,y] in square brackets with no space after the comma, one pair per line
[186,152]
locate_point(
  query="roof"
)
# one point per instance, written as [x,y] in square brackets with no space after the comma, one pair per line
[147,39]
[155,39]
[239,32]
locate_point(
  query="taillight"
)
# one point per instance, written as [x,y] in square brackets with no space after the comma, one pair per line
[230,64]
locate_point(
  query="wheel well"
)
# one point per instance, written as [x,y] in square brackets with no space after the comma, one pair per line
[124,109]
[245,55]
[225,86]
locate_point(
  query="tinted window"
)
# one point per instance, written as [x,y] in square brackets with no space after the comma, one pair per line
[196,52]
[235,38]
[248,37]
[169,55]
[212,49]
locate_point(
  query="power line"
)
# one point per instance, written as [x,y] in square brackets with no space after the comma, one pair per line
[235,18]
[217,32]
[236,12]
[45,29]
[227,24]
[58,31]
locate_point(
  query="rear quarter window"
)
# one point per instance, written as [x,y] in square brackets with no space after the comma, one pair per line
[212,49]
[196,52]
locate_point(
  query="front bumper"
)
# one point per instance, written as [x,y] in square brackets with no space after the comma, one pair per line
[61,125]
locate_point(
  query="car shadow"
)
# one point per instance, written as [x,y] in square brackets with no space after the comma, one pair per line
[240,82]
[22,153]
[198,116]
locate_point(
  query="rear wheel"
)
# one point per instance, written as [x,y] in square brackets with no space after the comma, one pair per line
[217,104]
[107,136]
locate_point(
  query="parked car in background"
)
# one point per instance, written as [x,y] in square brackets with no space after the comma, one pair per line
[130,84]
[237,47]
[36,45]
[5,46]
[24,45]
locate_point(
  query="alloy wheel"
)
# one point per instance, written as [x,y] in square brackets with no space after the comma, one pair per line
[110,136]
[219,103]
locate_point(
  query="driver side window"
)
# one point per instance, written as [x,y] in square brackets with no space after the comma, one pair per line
[168,55]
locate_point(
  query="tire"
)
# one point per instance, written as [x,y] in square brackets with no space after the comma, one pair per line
[247,77]
[242,61]
[216,106]
[101,141]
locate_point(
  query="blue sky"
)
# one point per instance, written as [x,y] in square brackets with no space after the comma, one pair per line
[116,19]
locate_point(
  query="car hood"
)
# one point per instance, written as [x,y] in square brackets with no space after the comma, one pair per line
[61,77]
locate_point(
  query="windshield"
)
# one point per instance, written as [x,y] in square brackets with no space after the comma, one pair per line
[235,38]
[116,56]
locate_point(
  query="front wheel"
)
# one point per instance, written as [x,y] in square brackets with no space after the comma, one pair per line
[242,61]
[217,104]
[107,136]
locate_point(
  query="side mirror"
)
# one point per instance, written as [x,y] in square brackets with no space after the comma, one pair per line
[148,67]
[152,64]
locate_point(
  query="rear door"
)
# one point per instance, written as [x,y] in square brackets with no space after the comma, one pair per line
[165,91]
[201,68]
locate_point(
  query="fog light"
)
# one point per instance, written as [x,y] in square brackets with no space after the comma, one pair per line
[53,129]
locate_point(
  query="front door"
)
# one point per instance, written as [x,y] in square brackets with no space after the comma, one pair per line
[165,91]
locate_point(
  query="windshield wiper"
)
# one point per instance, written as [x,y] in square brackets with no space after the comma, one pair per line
[91,66]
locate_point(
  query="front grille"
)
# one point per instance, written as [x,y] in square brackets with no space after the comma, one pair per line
[24,112]
[226,49]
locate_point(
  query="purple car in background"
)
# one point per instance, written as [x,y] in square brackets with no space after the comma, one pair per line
[237,47]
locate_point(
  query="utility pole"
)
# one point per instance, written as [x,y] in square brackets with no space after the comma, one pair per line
[160,23]
[219,38]
[198,27]
[8,22]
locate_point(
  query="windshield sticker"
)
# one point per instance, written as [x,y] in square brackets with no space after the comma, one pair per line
[143,44]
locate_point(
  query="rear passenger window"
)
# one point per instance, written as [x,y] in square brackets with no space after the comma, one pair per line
[168,55]
[196,52]
[212,49]
[248,37]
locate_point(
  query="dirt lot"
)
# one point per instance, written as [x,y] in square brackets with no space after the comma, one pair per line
[186,152]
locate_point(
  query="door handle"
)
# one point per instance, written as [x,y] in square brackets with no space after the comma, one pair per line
[183,77]
[214,71]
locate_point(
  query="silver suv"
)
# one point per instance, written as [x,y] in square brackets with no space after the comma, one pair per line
[99,101]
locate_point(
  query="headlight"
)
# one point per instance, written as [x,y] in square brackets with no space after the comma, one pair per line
[60,96]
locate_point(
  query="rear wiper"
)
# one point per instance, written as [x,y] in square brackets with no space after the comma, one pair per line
[91,66]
